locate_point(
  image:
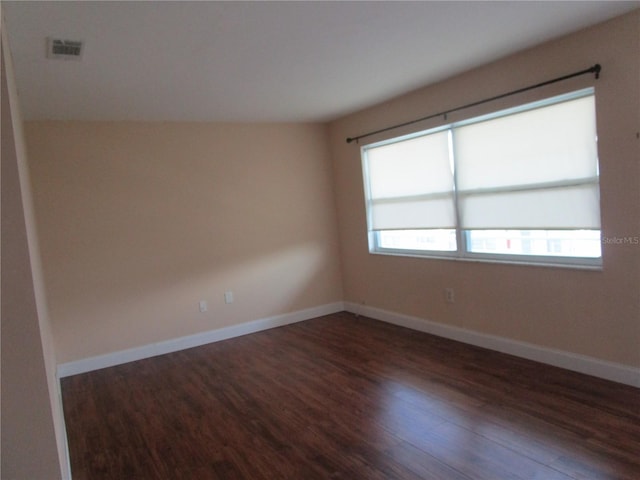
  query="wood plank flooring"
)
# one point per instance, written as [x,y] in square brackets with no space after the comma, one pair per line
[346,397]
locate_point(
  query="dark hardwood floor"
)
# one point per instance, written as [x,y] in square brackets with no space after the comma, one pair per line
[348,398]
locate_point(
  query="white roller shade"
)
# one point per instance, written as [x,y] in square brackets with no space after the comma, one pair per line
[533,209]
[536,169]
[410,184]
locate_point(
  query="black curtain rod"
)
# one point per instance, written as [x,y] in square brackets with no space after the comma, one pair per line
[595,69]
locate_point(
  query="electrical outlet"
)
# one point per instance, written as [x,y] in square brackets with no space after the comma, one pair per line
[449,295]
[228,297]
[202,305]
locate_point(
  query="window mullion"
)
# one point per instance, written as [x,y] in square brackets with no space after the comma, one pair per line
[460,237]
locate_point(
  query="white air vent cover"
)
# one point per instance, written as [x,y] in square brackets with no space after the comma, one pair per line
[64,49]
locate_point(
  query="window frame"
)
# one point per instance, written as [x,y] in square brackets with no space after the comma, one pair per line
[462,252]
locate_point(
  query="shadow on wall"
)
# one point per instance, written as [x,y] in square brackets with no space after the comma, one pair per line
[142,221]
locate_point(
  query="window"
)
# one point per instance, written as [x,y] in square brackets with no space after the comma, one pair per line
[518,185]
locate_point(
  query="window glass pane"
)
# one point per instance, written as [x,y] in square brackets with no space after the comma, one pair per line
[558,243]
[443,240]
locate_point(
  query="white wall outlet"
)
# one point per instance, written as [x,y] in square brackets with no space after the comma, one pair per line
[228,297]
[449,295]
[202,305]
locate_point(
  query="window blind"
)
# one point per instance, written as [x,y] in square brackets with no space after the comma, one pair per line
[536,169]
[410,184]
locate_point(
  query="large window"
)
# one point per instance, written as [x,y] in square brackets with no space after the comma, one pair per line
[517,185]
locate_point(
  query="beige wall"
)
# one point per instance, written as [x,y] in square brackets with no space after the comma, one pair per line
[140,221]
[584,312]
[33,441]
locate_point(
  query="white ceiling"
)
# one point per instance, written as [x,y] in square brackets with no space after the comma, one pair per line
[264,61]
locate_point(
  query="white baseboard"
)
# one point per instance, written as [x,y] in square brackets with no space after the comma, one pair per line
[151,350]
[578,363]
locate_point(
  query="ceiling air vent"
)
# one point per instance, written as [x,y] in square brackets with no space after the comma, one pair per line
[64,49]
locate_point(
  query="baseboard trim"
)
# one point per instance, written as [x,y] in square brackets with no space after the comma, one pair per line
[578,363]
[151,350]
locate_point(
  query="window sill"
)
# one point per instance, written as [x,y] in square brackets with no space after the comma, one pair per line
[594,266]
